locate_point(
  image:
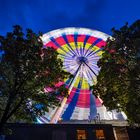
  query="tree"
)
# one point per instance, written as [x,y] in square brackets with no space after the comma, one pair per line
[119,77]
[25,69]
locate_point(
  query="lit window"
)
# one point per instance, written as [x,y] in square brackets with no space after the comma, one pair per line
[100,134]
[81,135]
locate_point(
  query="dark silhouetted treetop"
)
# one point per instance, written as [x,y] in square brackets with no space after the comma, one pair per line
[119,77]
[26,68]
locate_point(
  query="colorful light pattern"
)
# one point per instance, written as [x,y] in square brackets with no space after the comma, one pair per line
[80,50]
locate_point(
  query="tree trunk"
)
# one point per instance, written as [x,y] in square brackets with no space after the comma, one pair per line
[2,123]
[4,117]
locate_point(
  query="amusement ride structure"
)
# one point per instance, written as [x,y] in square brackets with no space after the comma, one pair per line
[79,49]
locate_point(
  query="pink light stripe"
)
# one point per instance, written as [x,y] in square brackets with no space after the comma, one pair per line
[98,102]
[81,38]
[84,100]
[91,40]
[101,44]
[51,44]
[60,41]
[71,96]
[59,84]
[70,38]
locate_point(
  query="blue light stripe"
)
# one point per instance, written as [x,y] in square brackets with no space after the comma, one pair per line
[85,41]
[54,41]
[75,40]
[68,112]
[92,53]
[68,81]
[93,44]
[93,109]
[66,41]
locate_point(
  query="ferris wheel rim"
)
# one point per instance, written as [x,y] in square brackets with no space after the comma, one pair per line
[96,33]
[74,63]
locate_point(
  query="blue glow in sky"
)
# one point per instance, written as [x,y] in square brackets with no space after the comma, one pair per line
[46,15]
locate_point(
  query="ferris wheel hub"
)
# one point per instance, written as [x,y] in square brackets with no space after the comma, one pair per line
[82,59]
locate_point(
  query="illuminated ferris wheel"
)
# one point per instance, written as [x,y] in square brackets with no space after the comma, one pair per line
[79,49]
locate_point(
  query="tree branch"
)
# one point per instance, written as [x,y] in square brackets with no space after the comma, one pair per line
[15,109]
[22,83]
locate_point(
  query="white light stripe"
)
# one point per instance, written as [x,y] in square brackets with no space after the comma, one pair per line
[72,30]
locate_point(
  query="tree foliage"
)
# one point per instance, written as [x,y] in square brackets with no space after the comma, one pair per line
[25,69]
[119,77]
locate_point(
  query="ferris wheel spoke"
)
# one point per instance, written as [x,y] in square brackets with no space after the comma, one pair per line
[67,42]
[85,73]
[76,43]
[94,44]
[55,42]
[93,60]
[62,55]
[84,44]
[89,75]
[71,65]
[94,66]
[59,46]
[72,52]
[80,50]
[71,70]
[75,74]
[77,51]
[94,52]
[90,68]
[93,57]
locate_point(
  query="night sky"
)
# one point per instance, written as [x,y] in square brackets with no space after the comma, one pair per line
[46,15]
